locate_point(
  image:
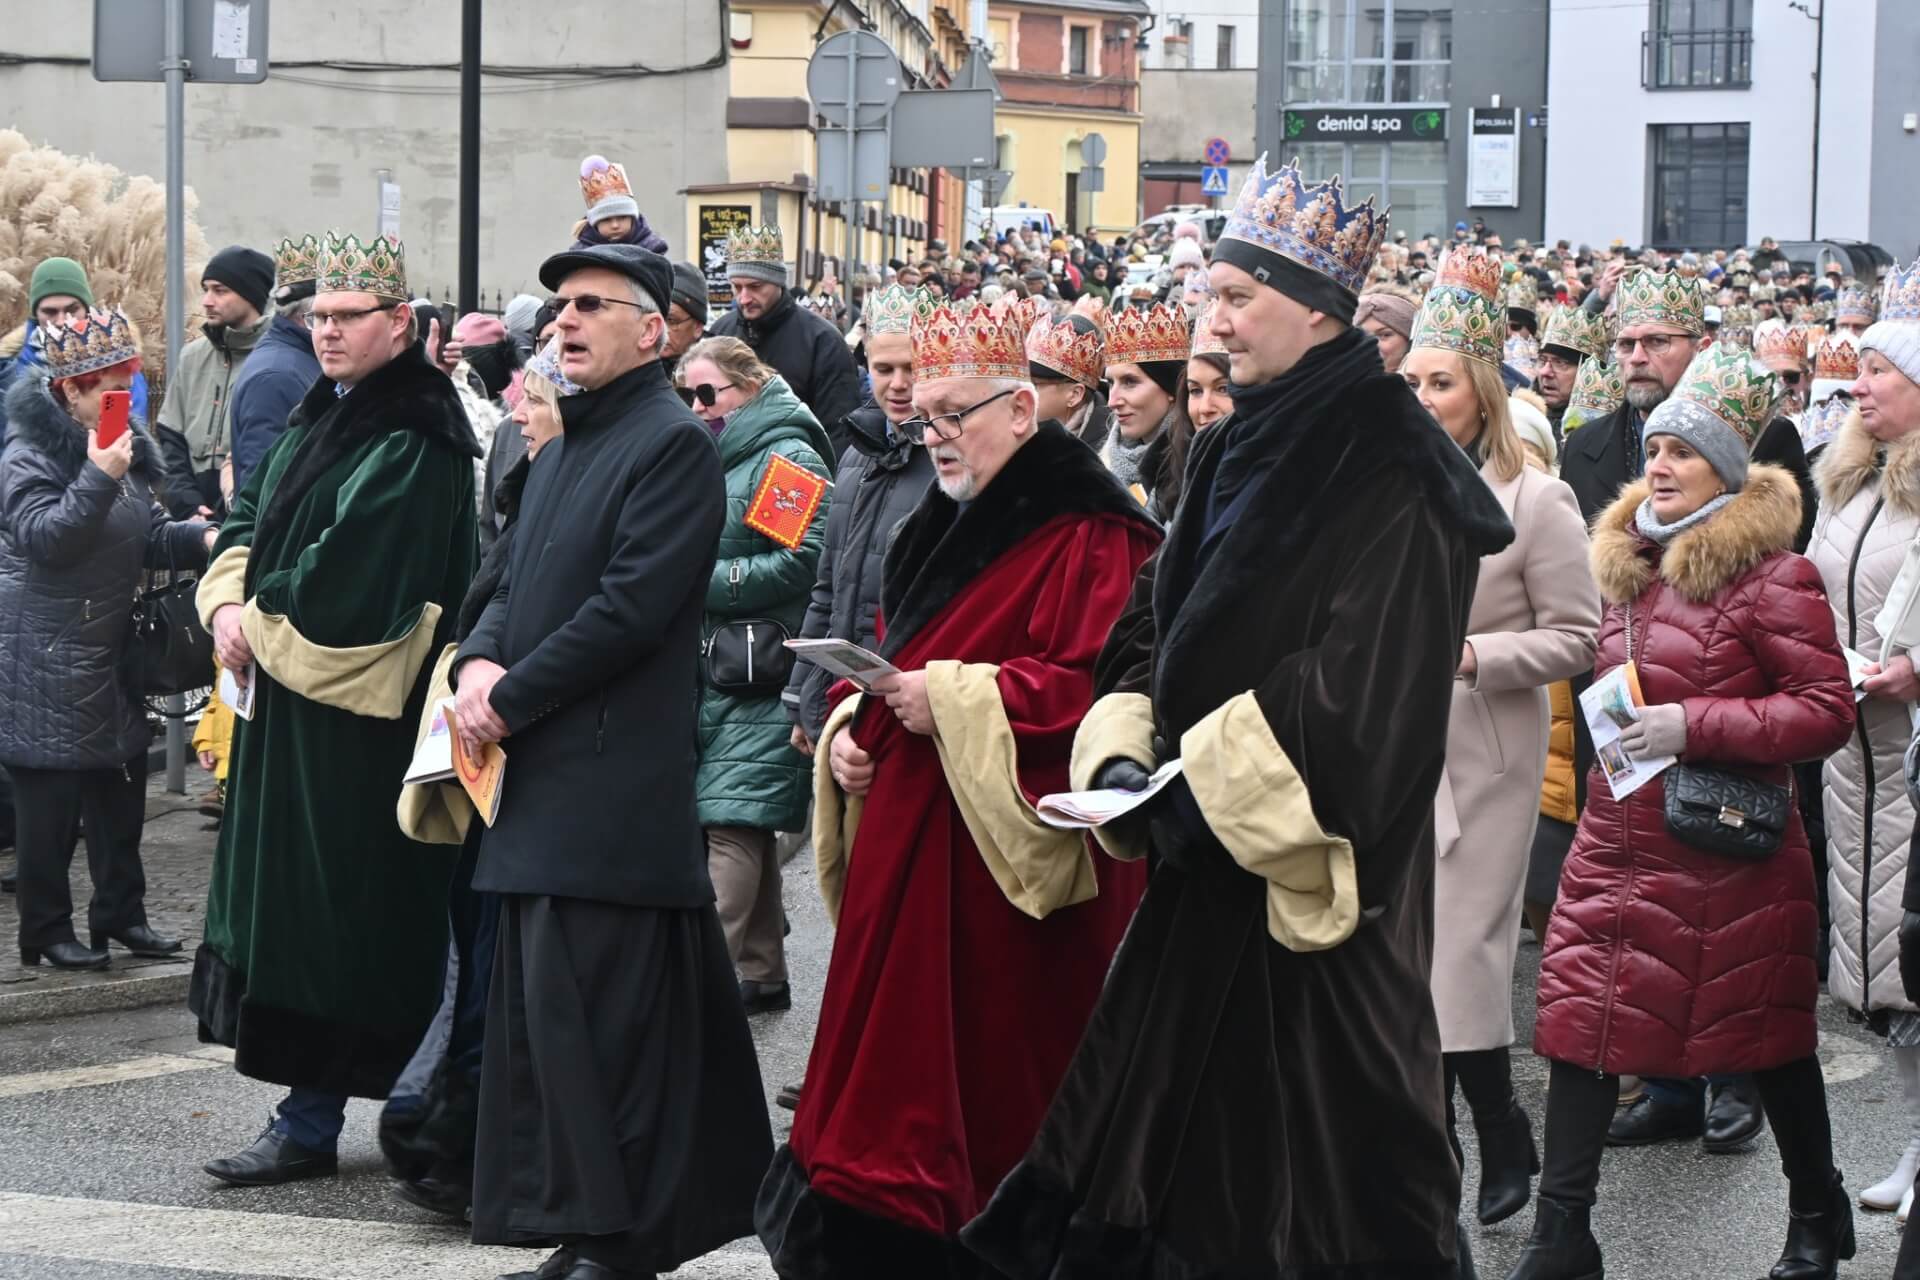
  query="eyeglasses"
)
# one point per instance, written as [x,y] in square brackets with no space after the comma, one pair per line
[1654,344]
[588,303]
[945,426]
[1791,377]
[706,393]
[317,320]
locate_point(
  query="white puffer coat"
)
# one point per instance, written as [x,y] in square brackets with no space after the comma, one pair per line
[1869,514]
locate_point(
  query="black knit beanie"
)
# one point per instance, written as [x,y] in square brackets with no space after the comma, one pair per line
[247,272]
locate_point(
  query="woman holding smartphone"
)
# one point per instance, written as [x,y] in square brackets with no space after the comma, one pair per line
[79,524]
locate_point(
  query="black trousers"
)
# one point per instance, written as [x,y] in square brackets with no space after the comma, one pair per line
[48,807]
[1580,1106]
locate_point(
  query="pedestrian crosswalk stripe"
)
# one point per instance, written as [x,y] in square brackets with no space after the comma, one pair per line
[160,1064]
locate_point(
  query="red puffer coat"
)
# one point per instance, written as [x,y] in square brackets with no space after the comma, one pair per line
[1663,959]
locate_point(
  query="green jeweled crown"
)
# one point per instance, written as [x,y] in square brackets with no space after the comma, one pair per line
[103,339]
[755,244]
[1522,294]
[1663,297]
[1462,311]
[1577,329]
[296,262]
[1737,321]
[1729,383]
[1598,389]
[892,309]
[347,266]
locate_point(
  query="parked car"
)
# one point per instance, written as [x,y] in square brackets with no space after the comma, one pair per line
[1857,258]
[1018,217]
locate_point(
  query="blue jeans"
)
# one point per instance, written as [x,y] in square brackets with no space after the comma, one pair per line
[312,1119]
[1683,1093]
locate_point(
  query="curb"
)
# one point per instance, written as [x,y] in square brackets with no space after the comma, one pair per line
[96,997]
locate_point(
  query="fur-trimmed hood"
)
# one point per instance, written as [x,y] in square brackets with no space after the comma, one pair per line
[1762,519]
[35,420]
[1854,460]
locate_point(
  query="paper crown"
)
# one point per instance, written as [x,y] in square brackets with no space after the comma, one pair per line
[1522,354]
[1462,311]
[1726,382]
[892,309]
[1160,333]
[1736,325]
[1819,312]
[1663,297]
[347,266]
[968,340]
[1310,225]
[296,262]
[1521,293]
[1204,343]
[1577,329]
[1069,350]
[1838,358]
[1900,296]
[100,340]
[1854,304]
[1025,312]
[755,244]
[546,363]
[1822,422]
[601,179]
[1598,390]
[1780,346]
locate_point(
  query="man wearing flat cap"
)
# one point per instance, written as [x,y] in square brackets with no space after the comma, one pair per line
[621,1110]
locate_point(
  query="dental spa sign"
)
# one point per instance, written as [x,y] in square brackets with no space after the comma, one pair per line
[1366,124]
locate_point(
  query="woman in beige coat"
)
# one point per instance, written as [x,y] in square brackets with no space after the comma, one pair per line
[1535,614]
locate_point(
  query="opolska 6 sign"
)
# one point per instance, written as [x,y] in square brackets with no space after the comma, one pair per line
[1378,124]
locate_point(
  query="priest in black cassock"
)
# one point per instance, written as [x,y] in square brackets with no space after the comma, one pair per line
[621,1111]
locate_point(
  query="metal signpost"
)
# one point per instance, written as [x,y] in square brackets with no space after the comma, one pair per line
[854,80]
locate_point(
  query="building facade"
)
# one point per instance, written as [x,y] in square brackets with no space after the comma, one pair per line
[1183,111]
[1219,35]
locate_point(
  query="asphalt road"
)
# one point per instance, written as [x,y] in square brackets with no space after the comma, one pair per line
[105,1119]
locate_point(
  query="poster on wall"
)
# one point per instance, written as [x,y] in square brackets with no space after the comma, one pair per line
[716,220]
[1493,158]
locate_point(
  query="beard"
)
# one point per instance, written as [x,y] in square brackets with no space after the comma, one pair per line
[964,488]
[1646,396]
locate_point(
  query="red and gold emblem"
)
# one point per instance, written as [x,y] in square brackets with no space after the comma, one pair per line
[785,504]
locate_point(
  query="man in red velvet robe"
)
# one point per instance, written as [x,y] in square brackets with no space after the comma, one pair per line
[973,939]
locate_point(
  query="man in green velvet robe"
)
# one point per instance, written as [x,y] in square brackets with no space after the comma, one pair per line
[336,578]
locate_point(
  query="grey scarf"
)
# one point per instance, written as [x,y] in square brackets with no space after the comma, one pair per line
[1650,526]
[1124,459]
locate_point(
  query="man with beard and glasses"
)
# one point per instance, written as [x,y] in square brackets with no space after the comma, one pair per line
[195,426]
[972,937]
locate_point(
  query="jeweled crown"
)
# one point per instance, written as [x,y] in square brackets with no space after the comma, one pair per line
[1522,294]
[347,266]
[546,363]
[1462,311]
[755,244]
[1204,343]
[1068,350]
[1598,390]
[296,262]
[1822,422]
[1736,325]
[1837,359]
[1900,295]
[1780,346]
[1162,332]
[892,309]
[968,340]
[1577,329]
[1310,225]
[1663,297]
[1727,382]
[600,178]
[102,339]
[1853,304]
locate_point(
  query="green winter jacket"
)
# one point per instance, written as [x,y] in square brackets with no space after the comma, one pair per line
[750,775]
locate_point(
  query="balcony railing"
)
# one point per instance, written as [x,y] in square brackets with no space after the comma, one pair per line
[1716,59]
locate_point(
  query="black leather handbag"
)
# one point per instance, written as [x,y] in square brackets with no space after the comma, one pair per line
[749,658]
[174,652]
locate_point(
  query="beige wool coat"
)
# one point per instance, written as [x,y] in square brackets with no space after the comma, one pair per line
[1535,614]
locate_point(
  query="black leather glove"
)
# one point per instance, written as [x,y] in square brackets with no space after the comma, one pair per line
[1910,954]
[1121,774]
[1181,835]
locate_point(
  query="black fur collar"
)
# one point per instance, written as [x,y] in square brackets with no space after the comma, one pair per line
[36,421]
[940,549]
[405,394]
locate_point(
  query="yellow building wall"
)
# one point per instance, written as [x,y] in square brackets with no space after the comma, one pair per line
[1045,146]
[774,65]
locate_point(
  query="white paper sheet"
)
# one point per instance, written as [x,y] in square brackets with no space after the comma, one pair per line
[232,25]
[1609,706]
[1079,810]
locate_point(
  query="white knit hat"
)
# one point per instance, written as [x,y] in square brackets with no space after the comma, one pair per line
[1186,253]
[1533,428]
[1898,341]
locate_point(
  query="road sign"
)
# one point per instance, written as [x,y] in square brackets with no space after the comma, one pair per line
[949,128]
[226,40]
[875,84]
[868,175]
[1093,151]
[1213,180]
[977,73]
[1093,179]
[1217,152]
[995,183]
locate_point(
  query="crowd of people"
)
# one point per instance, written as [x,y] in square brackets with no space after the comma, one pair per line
[1343,525]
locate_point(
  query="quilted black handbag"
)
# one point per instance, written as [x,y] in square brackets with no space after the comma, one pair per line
[174,652]
[749,658]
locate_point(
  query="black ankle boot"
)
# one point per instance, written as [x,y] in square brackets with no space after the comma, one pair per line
[1508,1159]
[1562,1246]
[1817,1242]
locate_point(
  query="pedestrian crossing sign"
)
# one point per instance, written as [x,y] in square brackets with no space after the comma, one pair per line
[1213,180]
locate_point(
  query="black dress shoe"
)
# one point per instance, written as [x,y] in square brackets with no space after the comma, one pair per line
[273,1158]
[1561,1247]
[9,882]
[565,1264]
[65,955]
[1649,1121]
[1817,1243]
[789,1097]
[1508,1160]
[141,940]
[765,997]
[1734,1115]
[437,1195]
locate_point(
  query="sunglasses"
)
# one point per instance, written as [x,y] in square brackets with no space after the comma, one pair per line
[706,393]
[1791,377]
[588,303]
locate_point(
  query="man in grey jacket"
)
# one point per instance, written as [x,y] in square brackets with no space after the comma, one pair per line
[195,425]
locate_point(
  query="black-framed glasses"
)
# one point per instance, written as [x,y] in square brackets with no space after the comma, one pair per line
[1654,344]
[706,392]
[588,303]
[317,320]
[1791,377]
[946,426]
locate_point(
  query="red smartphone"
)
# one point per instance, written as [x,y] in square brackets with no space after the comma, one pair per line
[114,408]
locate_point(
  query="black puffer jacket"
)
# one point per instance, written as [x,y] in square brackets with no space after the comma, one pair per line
[879,482]
[73,543]
[809,353]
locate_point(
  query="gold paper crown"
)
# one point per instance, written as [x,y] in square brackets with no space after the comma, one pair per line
[1779,346]
[1838,358]
[296,262]
[968,340]
[1900,299]
[1204,343]
[600,178]
[1522,294]
[1663,297]
[755,244]
[101,340]
[1736,325]
[1024,312]
[347,266]
[892,309]
[1853,304]
[1068,350]
[1462,310]
[1598,390]
[1160,333]
[1577,329]
[1311,225]
[1728,383]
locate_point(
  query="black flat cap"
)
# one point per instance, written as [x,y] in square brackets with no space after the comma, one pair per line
[644,267]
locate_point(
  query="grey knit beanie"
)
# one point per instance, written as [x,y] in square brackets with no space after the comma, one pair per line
[1711,437]
[1899,342]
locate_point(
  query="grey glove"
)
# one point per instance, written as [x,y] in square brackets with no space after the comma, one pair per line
[1660,731]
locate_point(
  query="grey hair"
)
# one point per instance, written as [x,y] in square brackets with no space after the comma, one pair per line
[648,307]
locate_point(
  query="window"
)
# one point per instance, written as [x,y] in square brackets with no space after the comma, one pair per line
[1401,52]
[1223,47]
[1697,44]
[1317,31]
[1077,50]
[1699,185]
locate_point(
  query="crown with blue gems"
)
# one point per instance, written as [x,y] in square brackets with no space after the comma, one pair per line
[347,266]
[1310,225]
[546,363]
[1900,295]
[1822,422]
[1853,304]
[103,339]
[1462,312]
[892,309]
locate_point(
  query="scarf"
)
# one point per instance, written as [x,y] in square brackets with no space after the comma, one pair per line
[1650,527]
[1124,459]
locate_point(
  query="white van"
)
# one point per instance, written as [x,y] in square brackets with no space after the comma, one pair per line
[1002,218]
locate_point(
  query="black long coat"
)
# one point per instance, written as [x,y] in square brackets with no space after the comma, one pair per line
[598,624]
[810,354]
[1237,1108]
